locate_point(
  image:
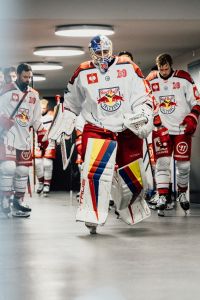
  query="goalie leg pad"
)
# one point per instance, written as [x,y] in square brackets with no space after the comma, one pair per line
[132,185]
[136,211]
[96,181]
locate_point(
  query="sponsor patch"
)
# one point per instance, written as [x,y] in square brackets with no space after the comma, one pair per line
[155,87]
[15,97]
[92,78]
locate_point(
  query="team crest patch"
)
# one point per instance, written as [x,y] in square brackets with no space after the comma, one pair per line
[22,117]
[167,104]
[110,99]
[92,78]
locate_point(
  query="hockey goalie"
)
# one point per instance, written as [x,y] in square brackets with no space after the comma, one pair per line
[115,102]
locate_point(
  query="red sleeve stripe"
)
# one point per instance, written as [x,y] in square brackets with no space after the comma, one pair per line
[83,67]
[183,74]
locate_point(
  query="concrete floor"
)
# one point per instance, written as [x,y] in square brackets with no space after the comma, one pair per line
[51,257]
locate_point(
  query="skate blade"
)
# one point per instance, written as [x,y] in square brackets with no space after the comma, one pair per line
[20,214]
[161,213]
[153,207]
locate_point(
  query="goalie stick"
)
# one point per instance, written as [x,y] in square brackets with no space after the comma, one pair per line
[65,159]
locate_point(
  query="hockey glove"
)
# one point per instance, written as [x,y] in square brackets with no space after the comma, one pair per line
[190,124]
[42,144]
[140,122]
[161,136]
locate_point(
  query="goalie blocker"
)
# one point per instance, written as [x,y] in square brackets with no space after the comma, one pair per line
[63,122]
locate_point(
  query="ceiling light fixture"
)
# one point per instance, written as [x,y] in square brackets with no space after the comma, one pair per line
[38,77]
[44,66]
[83,30]
[58,51]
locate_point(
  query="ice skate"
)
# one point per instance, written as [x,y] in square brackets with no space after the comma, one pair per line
[111,203]
[161,205]
[92,227]
[184,203]
[161,213]
[170,205]
[19,205]
[46,190]
[153,201]
[78,196]
[16,213]
[40,187]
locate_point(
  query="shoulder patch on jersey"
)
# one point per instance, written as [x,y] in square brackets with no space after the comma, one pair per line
[137,70]
[152,75]
[33,90]
[84,66]
[184,75]
[7,88]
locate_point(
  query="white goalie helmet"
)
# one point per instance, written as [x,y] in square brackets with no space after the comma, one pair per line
[100,49]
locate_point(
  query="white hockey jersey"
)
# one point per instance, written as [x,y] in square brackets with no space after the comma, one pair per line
[47,120]
[27,115]
[104,98]
[175,97]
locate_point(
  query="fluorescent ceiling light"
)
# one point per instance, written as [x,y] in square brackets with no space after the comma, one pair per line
[83,30]
[38,77]
[58,51]
[44,66]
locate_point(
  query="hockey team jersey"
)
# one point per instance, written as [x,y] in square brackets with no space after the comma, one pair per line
[175,97]
[103,98]
[27,115]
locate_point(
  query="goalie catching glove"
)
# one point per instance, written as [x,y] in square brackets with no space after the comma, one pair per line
[141,121]
[63,122]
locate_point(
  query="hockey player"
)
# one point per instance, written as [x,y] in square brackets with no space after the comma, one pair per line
[44,158]
[126,54]
[10,74]
[112,96]
[176,122]
[19,109]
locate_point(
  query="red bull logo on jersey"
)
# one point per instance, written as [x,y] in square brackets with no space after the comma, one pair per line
[167,104]
[110,99]
[22,117]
